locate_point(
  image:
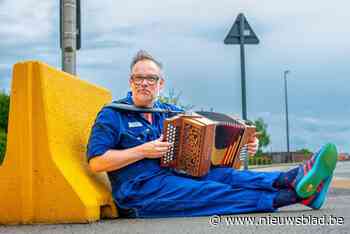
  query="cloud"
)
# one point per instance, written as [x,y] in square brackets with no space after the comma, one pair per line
[306,131]
[27,21]
[309,38]
[27,32]
[5,80]
[4,66]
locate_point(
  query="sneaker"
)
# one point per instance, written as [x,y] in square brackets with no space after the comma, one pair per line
[316,201]
[316,170]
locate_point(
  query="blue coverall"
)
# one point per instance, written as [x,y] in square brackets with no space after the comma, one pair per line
[144,189]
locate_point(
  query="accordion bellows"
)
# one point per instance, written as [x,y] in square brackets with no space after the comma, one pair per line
[204,139]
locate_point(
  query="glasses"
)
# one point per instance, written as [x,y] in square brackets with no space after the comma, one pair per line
[150,79]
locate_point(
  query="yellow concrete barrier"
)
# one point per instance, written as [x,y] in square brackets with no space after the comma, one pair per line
[44,177]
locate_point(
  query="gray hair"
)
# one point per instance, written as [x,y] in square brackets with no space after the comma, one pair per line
[143,55]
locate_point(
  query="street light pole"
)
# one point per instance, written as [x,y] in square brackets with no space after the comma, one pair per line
[287,121]
[70,33]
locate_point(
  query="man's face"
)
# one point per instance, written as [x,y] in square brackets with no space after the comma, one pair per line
[145,83]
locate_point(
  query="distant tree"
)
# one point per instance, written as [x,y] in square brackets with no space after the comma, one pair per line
[264,138]
[4,113]
[305,151]
[2,145]
[4,110]
[173,98]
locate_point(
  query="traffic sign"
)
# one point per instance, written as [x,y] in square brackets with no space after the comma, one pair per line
[234,35]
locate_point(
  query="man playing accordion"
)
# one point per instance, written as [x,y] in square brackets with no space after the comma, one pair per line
[129,145]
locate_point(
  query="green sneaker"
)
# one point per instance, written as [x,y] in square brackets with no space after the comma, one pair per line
[316,170]
[316,200]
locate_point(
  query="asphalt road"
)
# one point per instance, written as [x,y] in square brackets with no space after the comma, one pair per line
[334,217]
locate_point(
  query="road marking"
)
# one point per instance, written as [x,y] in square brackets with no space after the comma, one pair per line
[341,182]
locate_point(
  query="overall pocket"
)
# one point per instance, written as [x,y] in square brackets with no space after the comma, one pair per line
[133,138]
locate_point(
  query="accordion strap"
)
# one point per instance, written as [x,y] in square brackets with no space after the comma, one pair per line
[120,106]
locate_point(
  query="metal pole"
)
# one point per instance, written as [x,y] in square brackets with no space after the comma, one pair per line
[244,102]
[287,121]
[241,33]
[69,33]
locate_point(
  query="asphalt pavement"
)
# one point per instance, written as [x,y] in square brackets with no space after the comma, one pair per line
[334,217]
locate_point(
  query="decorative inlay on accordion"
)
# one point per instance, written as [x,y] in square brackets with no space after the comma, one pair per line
[203,139]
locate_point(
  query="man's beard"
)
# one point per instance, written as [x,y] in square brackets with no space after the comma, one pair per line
[144,98]
[146,92]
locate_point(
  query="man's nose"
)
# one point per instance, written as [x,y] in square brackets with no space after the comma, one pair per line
[144,82]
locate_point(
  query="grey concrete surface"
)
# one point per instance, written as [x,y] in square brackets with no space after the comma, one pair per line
[337,206]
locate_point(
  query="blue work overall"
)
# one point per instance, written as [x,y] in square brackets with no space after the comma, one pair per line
[144,189]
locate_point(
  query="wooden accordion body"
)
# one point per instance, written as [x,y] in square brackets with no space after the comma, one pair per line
[203,139]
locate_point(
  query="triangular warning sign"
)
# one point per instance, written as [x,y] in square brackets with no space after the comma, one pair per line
[233,37]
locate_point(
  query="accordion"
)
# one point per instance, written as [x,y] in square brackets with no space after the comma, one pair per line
[204,139]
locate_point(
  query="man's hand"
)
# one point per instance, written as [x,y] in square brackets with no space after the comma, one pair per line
[253,145]
[154,149]
[114,159]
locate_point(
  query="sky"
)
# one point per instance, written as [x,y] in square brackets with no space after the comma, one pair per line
[309,38]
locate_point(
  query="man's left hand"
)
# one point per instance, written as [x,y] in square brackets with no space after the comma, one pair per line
[253,146]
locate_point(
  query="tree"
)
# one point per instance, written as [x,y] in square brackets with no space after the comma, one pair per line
[173,98]
[264,138]
[4,110]
[4,113]
[305,152]
[2,145]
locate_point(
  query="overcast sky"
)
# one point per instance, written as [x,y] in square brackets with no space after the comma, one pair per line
[309,38]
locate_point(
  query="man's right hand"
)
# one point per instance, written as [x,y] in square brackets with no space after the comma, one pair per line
[154,149]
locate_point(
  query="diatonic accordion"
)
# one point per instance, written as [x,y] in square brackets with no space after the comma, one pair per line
[204,139]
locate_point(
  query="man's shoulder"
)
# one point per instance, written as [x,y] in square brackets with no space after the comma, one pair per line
[168,106]
[110,109]
[108,113]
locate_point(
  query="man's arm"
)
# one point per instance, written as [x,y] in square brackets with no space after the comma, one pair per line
[115,159]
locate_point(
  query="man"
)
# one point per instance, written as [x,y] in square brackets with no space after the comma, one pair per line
[128,145]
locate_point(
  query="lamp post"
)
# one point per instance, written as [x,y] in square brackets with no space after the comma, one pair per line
[70,33]
[289,158]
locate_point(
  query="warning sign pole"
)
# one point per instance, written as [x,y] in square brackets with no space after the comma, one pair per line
[241,40]
[241,33]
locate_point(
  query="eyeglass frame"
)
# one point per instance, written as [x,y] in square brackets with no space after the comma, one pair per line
[147,78]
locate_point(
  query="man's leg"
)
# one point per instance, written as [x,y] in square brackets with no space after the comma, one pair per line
[304,178]
[243,179]
[312,179]
[169,195]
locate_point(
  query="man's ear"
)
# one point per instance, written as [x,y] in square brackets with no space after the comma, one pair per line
[161,83]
